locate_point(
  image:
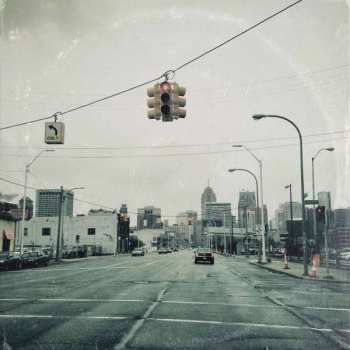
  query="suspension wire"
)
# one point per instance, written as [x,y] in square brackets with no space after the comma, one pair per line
[237,35]
[165,75]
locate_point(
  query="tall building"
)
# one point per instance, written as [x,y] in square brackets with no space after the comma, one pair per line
[149,217]
[324,199]
[48,202]
[188,217]
[208,196]
[246,208]
[218,214]
[282,215]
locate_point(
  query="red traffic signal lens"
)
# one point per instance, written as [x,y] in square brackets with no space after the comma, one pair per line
[164,87]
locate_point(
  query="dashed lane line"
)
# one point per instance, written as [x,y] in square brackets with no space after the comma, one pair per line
[138,324]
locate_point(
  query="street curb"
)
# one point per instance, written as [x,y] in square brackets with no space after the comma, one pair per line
[296,276]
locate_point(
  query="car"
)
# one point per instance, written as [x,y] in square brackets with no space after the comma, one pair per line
[138,252]
[163,251]
[204,255]
[10,261]
[35,259]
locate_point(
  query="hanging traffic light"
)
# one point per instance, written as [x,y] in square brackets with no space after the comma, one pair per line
[166,101]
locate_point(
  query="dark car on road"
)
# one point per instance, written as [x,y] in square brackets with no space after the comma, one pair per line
[35,259]
[204,255]
[10,261]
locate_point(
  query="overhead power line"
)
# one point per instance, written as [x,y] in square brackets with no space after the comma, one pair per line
[194,145]
[73,109]
[184,154]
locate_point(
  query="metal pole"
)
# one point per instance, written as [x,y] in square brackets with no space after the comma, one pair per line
[24,207]
[262,215]
[291,210]
[326,240]
[313,197]
[58,250]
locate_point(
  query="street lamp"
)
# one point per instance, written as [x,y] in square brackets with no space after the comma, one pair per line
[261,200]
[329,149]
[256,184]
[26,171]
[261,116]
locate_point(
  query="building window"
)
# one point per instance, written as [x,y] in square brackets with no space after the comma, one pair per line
[91,231]
[46,231]
[25,231]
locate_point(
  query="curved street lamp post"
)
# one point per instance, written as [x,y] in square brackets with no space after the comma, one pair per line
[26,171]
[261,200]
[329,149]
[257,188]
[261,116]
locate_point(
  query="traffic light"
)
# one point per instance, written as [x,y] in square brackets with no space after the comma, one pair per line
[321,214]
[166,101]
[154,102]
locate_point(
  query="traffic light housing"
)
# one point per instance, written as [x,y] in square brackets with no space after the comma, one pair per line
[166,101]
[154,102]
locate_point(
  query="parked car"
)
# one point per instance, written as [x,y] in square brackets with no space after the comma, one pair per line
[35,259]
[203,255]
[163,251]
[138,252]
[10,261]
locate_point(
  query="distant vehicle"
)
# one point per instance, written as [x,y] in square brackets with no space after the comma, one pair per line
[138,252]
[203,255]
[163,251]
[10,261]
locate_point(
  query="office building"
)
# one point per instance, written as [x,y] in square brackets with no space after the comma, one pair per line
[188,217]
[218,214]
[149,217]
[208,196]
[324,199]
[48,202]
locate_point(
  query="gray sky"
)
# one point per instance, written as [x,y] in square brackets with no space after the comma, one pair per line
[60,54]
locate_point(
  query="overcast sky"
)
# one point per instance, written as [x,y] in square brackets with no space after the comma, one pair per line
[60,54]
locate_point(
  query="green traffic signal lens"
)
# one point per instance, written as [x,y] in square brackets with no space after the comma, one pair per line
[165,109]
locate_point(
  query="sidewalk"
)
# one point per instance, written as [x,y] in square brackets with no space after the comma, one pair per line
[297,269]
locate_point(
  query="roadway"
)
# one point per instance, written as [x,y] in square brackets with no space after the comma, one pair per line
[168,302]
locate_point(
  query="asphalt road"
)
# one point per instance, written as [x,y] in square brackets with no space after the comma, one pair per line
[168,302]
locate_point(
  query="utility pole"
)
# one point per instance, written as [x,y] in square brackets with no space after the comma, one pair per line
[58,246]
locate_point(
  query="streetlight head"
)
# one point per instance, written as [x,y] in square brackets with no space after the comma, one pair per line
[287,186]
[330,149]
[237,146]
[231,170]
[258,116]
[49,150]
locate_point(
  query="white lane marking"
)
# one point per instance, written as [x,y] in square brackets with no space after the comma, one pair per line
[243,324]
[252,305]
[138,324]
[65,317]
[91,300]
[74,300]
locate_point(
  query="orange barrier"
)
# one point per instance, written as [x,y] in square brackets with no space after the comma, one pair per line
[286,267]
[315,262]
